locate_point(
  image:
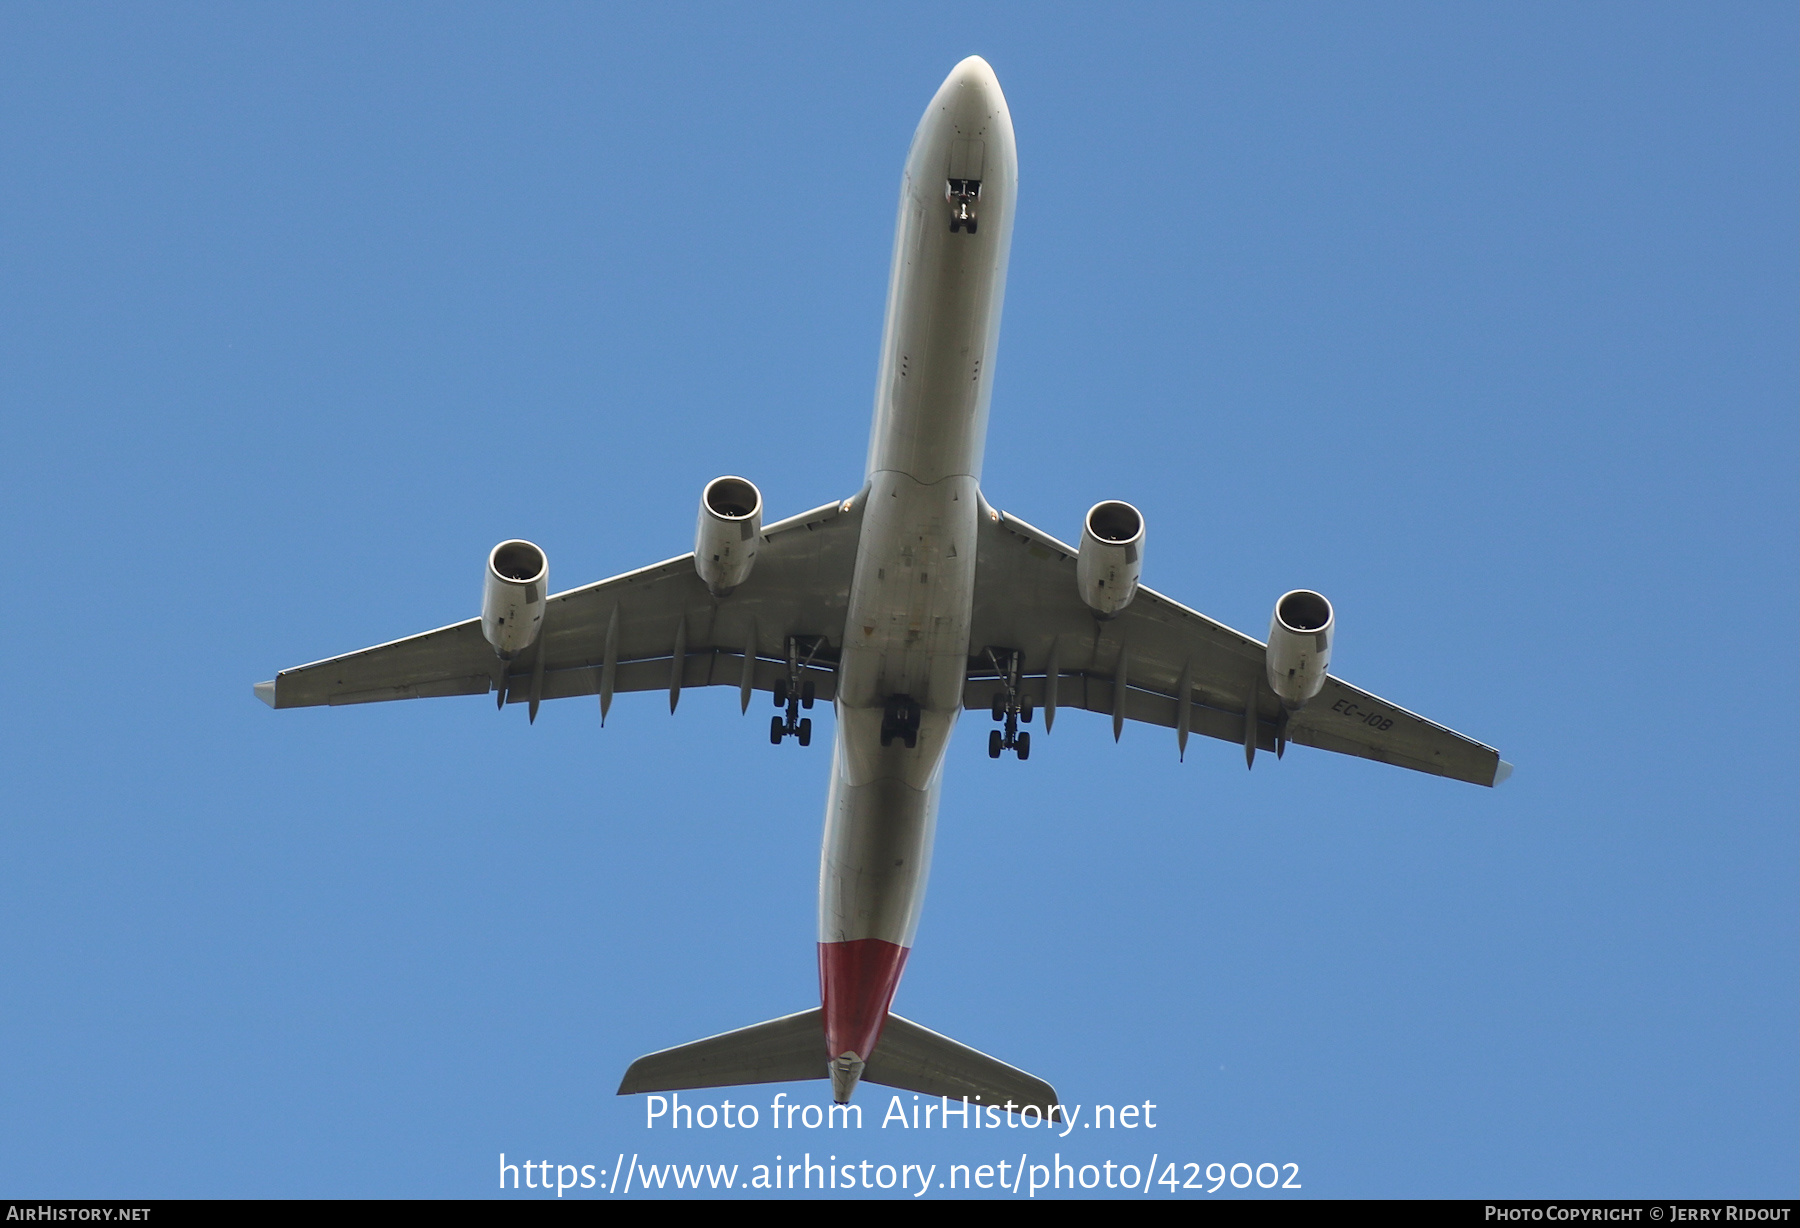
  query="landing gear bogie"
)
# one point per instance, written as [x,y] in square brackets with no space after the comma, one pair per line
[900,721]
[1009,706]
[795,691]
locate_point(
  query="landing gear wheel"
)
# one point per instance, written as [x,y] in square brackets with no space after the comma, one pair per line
[806,732]
[775,731]
[993,744]
[781,693]
[999,708]
[806,694]
[1024,747]
[971,225]
[1025,712]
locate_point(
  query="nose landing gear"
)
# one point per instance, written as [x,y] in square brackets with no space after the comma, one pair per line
[1010,707]
[962,195]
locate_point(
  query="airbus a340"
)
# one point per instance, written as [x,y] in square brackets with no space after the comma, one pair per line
[901,606]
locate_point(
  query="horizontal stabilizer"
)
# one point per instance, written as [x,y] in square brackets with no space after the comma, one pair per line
[916,1059]
[792,1048]
[779,1051]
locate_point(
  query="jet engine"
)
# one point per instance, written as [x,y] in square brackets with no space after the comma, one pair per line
[729,532]
[1299,646]
[512,600]
[1111,557]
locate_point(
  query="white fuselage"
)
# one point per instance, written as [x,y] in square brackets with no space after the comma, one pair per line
[907,632]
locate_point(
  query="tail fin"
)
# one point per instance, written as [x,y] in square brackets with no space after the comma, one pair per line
[908,1056]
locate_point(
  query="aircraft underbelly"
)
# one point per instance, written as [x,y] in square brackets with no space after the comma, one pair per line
[906,638]
[907,631]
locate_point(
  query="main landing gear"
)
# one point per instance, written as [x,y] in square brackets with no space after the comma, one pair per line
[1010,707]
[793,693]
[900,720]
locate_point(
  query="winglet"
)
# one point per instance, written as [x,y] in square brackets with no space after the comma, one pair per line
[1502,771]
[265,691]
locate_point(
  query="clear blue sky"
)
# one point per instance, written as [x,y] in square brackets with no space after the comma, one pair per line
[1480,319]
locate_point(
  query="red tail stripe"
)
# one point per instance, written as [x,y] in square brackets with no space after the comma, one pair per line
[856,986]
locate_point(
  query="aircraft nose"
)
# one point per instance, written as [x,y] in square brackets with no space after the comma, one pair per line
[974,72]
[974,81]
[970,103]
[965,137]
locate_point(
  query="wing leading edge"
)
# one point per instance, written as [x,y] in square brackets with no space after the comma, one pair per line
[1160,663]
[650,629]
[659,627]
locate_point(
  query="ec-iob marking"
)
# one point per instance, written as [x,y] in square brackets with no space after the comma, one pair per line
[1374,720]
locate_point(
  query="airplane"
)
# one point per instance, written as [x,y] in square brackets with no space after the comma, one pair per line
[901,606]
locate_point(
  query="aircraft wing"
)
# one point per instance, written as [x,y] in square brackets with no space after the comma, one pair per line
[646,630]
[1134,666]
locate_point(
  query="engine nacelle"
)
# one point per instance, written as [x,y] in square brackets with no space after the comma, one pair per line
[1299,646]
[729,533]
[1111,557]
[512,600]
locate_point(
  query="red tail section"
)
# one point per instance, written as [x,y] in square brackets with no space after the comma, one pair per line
[856,986]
